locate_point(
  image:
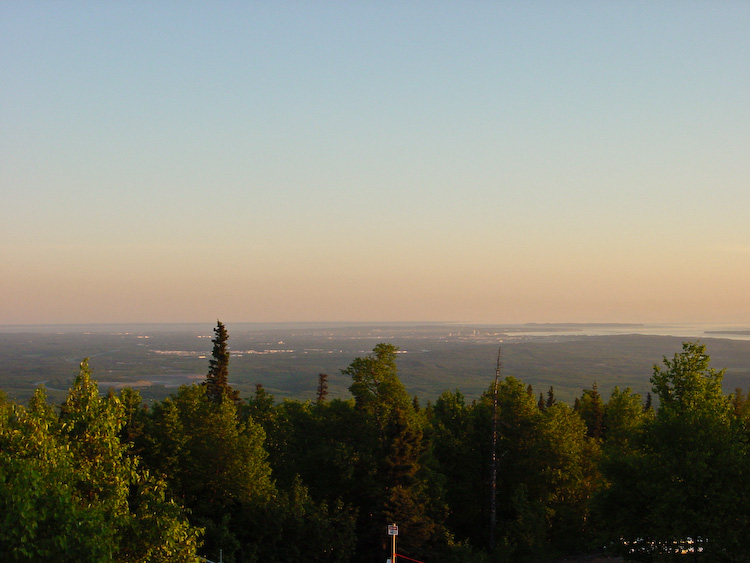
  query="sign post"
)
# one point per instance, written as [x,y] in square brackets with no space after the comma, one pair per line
[393,532]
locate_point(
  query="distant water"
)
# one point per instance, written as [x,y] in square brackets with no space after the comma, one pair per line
[693,331]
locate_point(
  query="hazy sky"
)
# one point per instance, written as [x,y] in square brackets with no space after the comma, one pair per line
[374,161]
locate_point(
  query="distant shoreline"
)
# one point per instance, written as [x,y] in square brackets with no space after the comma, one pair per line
[728,330]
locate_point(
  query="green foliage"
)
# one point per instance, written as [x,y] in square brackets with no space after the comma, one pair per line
[318,481]
[134,417]
[624,418]
[158,528]
[546,471]
[68,492]
[260,407]
[545,476]
[460,446]
[590,407]
[397,490]
[223,458]
[683,478]
[688,384]
[331,446]
[406,500]
[568,462]
[212,461]
[294,528]
[376,388]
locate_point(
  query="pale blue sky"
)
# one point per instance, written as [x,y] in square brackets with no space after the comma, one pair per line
[374,161]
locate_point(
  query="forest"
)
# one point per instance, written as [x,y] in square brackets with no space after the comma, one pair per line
[516,475]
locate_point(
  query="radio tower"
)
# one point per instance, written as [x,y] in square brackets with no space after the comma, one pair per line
[493,457]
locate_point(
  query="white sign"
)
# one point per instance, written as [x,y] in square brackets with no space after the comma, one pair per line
[392,530]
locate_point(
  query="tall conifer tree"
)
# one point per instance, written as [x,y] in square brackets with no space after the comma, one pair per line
[217,380]
[322,387]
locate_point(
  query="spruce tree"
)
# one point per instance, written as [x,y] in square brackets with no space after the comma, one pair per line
[551,400]
[648,406]
[322,387]
[591,409]
[217,380]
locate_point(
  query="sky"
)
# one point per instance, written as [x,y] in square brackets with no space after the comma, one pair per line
[493,162]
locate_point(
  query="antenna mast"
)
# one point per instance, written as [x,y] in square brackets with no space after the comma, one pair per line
[493,457]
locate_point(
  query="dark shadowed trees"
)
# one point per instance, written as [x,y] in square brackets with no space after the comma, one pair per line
[322,387]
[546,471]
[590,407]
[460,447]
[320,480]
[399,487]
[212,461]
[217,380]
[624,418]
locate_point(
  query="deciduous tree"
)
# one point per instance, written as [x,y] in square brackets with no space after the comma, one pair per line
[684,483]
[69,492]
[400,493]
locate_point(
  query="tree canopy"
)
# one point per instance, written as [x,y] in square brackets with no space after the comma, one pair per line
[69,492]
[108,478]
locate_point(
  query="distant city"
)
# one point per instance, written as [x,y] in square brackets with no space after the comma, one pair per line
[286,358]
